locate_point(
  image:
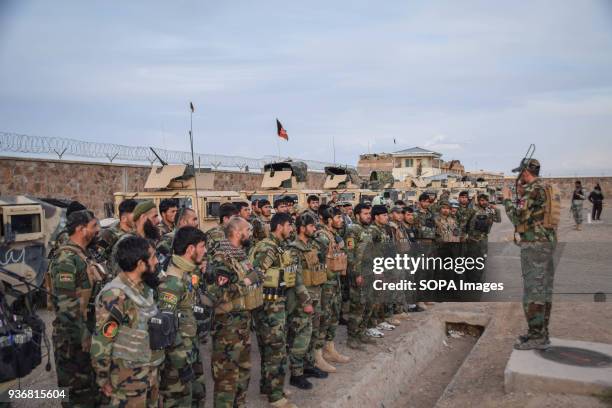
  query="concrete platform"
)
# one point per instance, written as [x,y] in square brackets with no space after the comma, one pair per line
[529,371]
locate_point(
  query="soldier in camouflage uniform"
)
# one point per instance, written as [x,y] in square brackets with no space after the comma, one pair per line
[216,234]
[261,223]
[185,216]
[178,292]
[578,198]
[146,221]
[464,214]
[401,239]
[425,245]
[313,207]
[168,207]
[381,315]
[270,319]
[358,243]
[313,275]
[299,304]
[537,247]
[448,240]
[109,236]
[231,279]
[74,279]
[127,369]
[330,241]
[478,228]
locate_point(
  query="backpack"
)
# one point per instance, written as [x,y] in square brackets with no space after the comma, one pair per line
[552,210]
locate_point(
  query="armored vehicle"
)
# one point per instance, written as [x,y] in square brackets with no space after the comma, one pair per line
[348,184]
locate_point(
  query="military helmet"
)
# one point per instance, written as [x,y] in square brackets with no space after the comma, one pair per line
[532,165]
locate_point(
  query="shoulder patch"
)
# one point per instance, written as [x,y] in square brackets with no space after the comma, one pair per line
[168,297]
[350,243]
[110,329]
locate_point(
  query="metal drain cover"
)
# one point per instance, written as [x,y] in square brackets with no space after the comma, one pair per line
[576,356]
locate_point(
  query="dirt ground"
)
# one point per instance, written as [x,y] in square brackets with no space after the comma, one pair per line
[466,371]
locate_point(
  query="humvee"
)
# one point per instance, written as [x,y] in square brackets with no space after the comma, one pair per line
[285,178]
[179,182]
[348,184]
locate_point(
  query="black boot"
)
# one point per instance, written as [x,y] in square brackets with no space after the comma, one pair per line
[301,382]
[314,372]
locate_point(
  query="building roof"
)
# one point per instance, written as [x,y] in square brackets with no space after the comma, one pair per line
[441,176]
[416,151]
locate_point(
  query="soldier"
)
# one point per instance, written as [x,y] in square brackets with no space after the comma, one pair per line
[381,315]
[347,213]
[231,287]
[127,368]
[146,220]
[537,244]
[74,279]
[401,240]
[178,293]
[313,207]
[62,236]
[244,210]
[299,310]
[261,223]
[313,275]
[411,230]
[216,234]
[333,201]
[448,247]
[478,228]
[255,211]
[270,319]
[333,250]
[426,234]
[110,236]
[184,217]
[577,202]
[358,242]
[168,208]
[281,206]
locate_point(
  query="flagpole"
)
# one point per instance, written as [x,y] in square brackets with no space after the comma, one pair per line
[334,147]
[195,174]
[278,147]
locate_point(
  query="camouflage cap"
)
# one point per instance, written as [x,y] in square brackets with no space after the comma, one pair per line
[444,203]
[533,165]
[397,208]
[142,208]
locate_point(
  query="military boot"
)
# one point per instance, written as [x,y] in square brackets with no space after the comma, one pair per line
[330,354]
[355,344]
[367,339]
[314,372]
[283,403]
[300,381]
[321,364]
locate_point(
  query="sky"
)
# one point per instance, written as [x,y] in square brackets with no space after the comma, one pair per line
[476,81]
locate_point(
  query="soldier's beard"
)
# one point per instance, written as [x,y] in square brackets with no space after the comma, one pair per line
[245,242]
[149,277]
[151,231]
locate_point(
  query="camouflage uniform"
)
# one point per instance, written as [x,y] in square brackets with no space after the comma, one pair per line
[261,227]
[108,237]
[178,292]
[164,249]
[299,323]
[477,245]
[331,291]
[312,268]
[358,242]
[213,237]
[576,207]
[231,334]
[382,246]
[448,239]
[537,247]
[425,224]
[401,239]
[123,310]
[165,228]
[73,281]
[270,322]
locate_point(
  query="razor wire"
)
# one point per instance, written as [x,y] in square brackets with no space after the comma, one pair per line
[60,146]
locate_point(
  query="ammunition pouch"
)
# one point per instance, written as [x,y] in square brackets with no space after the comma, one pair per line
[336,262]
[481,223]
[162,330]
[412,236]
[403,245]
[314,273]
[428,230]
[272,278]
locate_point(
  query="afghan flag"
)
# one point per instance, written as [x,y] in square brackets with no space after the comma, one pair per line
[282,133]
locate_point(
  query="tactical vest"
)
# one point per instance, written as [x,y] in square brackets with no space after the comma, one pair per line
[314,272]
[187,321]
[335,259]
[552,209]
[427,229]
[278,279]
[132,343]
[252,299]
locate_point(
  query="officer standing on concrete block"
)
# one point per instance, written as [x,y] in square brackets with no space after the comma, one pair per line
[126,349]
[535,216]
